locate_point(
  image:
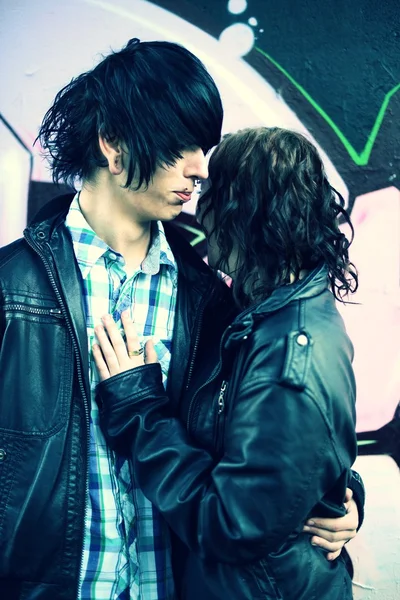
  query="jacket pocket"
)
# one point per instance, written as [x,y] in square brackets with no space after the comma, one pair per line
[266,581]
[33,497]
[11,451]
[300,571]
[36,370]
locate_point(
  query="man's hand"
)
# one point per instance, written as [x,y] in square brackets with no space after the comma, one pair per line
[332,534]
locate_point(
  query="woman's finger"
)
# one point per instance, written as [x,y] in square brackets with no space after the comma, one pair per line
[116,339]
[101,365]
[107,350]
[134,348]
[132,339]
[150,354]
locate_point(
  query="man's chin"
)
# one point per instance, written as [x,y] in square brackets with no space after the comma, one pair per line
[175,211]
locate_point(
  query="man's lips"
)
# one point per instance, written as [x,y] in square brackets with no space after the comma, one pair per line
[185,196]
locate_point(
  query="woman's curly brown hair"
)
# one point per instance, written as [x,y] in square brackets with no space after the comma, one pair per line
[273,206]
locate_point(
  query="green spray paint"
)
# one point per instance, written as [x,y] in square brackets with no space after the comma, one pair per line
[360,158]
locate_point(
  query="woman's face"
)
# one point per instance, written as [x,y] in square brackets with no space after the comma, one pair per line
[213,250]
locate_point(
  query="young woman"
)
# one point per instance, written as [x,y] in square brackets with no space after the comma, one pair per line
[265,437]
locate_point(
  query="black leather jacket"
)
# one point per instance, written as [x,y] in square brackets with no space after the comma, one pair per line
[269,441]
[44,402]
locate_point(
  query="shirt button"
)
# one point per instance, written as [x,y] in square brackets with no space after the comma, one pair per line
[302,339]
[112,256]
[3,454]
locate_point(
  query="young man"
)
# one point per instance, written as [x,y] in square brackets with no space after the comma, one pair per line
[135,131]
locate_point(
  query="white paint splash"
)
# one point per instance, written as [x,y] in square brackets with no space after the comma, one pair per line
[238,39]
[253,22]
[237,6]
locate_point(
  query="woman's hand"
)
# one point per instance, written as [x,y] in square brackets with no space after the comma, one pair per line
[113,355]
[333,534]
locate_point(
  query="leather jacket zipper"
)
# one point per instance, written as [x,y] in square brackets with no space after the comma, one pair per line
[196,343]
[220,410]
[213,375]
[221,401]
[36,248]
[56,312]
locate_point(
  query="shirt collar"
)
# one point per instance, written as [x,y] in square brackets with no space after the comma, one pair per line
[159,252]
[89,247]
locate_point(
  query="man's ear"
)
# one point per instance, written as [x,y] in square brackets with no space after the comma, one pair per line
[112,152]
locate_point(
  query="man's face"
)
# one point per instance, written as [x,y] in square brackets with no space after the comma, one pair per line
[169,188]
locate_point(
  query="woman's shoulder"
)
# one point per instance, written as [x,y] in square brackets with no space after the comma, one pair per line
[287,344]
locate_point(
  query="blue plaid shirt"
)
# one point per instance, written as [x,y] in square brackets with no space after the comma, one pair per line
[126,552]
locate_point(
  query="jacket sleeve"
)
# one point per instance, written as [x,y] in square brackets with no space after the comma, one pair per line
[356,484]
[2,319]
[276,467]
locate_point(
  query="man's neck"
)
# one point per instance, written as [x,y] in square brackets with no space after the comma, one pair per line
[117,229]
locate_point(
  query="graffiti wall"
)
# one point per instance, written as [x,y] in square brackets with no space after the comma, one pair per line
[328,69]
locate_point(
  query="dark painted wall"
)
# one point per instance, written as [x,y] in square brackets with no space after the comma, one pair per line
[336,63]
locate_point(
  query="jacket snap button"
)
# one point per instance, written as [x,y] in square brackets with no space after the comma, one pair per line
[41,235]
[3,454]
[302,339]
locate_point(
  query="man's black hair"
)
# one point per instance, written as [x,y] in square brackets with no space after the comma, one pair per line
[155,98]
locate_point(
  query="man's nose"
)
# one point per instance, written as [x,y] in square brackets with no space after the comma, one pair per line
[196,165]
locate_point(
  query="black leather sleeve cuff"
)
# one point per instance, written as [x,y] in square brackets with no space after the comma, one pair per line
[356,484]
